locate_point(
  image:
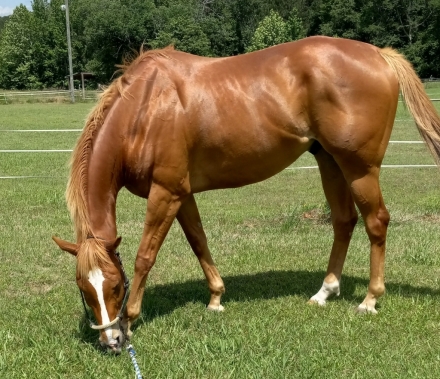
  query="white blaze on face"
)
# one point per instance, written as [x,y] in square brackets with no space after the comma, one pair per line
[96,279]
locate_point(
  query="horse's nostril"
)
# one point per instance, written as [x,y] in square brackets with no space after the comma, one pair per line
[114,348]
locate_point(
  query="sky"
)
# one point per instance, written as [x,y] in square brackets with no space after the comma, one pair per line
[7,6]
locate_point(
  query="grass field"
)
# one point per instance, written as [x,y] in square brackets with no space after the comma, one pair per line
[271,243]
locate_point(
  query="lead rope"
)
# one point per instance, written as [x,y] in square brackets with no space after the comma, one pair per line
[129,348]
[132,354]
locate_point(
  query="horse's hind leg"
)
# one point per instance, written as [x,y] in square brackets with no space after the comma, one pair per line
[189,219]
[368,198]
[361,171]
[344,218]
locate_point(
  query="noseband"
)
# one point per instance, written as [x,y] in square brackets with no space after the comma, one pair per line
[124,301]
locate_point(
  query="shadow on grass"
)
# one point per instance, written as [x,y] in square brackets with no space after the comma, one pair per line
[88,335]
[164,299]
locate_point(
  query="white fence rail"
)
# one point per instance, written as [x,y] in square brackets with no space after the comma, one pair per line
[10,96]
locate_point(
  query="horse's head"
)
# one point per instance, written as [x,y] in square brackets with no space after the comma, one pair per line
[103,286]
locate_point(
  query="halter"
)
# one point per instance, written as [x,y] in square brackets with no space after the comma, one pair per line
[124,301]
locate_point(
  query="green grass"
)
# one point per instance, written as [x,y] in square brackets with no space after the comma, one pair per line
[44,116]
[271,255]
[432,89]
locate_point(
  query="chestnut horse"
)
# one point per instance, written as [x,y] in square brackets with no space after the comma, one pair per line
[175,124]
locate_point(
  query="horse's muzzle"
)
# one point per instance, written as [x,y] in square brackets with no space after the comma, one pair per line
[113,344]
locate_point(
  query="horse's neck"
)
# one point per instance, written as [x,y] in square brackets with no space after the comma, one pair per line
[103,185]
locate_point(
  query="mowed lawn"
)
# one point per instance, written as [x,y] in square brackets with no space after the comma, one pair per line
[271,242]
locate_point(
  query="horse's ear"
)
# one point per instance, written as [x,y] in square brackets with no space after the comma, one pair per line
[112,245]
[70,247]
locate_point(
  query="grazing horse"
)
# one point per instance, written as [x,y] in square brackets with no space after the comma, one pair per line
[174,124]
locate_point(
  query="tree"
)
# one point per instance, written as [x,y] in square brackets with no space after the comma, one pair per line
[16,50]
[410,26]
[177,25]
[3,20]
[50,58]
[271,31]
[295,25]
[217,22]
[33,51]
[106,31]
[339,18]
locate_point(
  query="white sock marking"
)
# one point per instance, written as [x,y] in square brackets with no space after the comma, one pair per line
[325,291]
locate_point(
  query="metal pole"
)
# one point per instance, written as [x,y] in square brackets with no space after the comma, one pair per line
[82,84]
[69,49]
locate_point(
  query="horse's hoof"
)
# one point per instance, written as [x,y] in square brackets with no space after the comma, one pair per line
[314,300]
[363,309]
[215,308]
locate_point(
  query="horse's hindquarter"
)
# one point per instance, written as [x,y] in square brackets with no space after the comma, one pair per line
[353,97]
[247,119]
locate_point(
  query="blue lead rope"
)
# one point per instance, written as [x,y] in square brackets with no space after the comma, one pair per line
[133,360]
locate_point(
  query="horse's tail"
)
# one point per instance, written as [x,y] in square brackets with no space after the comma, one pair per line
[416,99]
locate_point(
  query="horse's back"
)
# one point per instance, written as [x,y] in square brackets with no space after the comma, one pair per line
[239,120]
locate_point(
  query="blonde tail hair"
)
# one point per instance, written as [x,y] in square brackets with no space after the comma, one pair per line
[416,99]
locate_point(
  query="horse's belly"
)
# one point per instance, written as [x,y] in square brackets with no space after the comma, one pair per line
[138,190]
[223,168]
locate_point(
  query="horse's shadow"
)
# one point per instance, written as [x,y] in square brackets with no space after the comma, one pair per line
[161,300]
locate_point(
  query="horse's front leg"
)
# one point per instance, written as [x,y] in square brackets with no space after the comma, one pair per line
[162,207]
[191,224]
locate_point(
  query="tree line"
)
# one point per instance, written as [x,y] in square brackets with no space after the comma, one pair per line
[33,46]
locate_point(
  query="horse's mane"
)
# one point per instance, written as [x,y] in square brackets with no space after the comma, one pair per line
[92,251]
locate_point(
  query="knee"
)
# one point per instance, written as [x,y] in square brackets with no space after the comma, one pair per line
[377,225]
[343,225]
[143,265]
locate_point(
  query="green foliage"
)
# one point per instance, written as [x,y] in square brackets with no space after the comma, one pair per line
[273,30]
[176,25]
[218,24]
[339,18]
[33,51]
[108,30]
[420,23]
[3,20]
[50,44]
[16,50]
[295,25]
